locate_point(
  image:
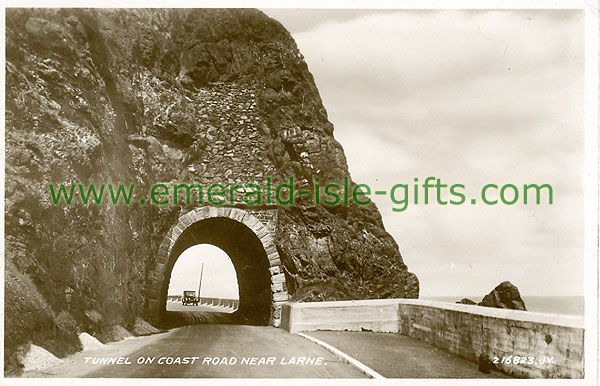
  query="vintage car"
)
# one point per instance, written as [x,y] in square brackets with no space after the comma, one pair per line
[189,297]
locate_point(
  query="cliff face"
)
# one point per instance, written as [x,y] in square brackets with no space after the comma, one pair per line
[148,96]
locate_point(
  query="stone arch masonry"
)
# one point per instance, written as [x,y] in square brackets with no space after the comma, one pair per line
[261,221]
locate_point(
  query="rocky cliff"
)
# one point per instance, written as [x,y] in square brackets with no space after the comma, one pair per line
[148,96]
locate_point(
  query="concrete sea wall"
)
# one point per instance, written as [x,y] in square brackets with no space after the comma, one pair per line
[547,346]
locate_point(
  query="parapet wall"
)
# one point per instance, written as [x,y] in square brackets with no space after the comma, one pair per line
[231,303]
[551,346]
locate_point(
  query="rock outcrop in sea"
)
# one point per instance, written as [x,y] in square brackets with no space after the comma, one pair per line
[505,295]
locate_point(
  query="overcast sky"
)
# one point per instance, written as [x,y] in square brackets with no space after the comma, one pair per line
[471,97]
[218,276]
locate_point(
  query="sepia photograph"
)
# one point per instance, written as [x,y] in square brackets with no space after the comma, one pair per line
[300,193]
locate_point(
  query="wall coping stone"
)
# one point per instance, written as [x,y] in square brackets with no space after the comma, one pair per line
[500,313]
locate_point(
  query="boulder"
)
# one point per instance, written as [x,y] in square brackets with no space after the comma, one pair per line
[141,328]
[485,364]
[113,333]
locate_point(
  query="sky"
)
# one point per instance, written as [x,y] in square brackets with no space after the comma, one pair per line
[470,97]
[218,275]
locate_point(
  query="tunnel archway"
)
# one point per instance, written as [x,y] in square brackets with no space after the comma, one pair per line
[249,260]
[248,242]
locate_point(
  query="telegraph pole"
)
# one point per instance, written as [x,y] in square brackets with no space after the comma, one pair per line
[200,283]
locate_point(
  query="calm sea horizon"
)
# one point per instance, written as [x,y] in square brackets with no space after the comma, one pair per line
[561,305]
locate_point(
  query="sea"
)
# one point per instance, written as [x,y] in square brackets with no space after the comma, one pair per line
[558,305]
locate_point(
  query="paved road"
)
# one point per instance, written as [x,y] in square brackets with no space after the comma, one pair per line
[398,356]
[197,351]
[214,341]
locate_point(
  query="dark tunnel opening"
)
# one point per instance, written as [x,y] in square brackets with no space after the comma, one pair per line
[252,271]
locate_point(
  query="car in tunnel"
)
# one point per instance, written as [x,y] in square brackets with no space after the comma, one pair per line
[189,297]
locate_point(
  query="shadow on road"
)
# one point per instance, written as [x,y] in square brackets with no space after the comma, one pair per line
[178,315]
[173,319]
